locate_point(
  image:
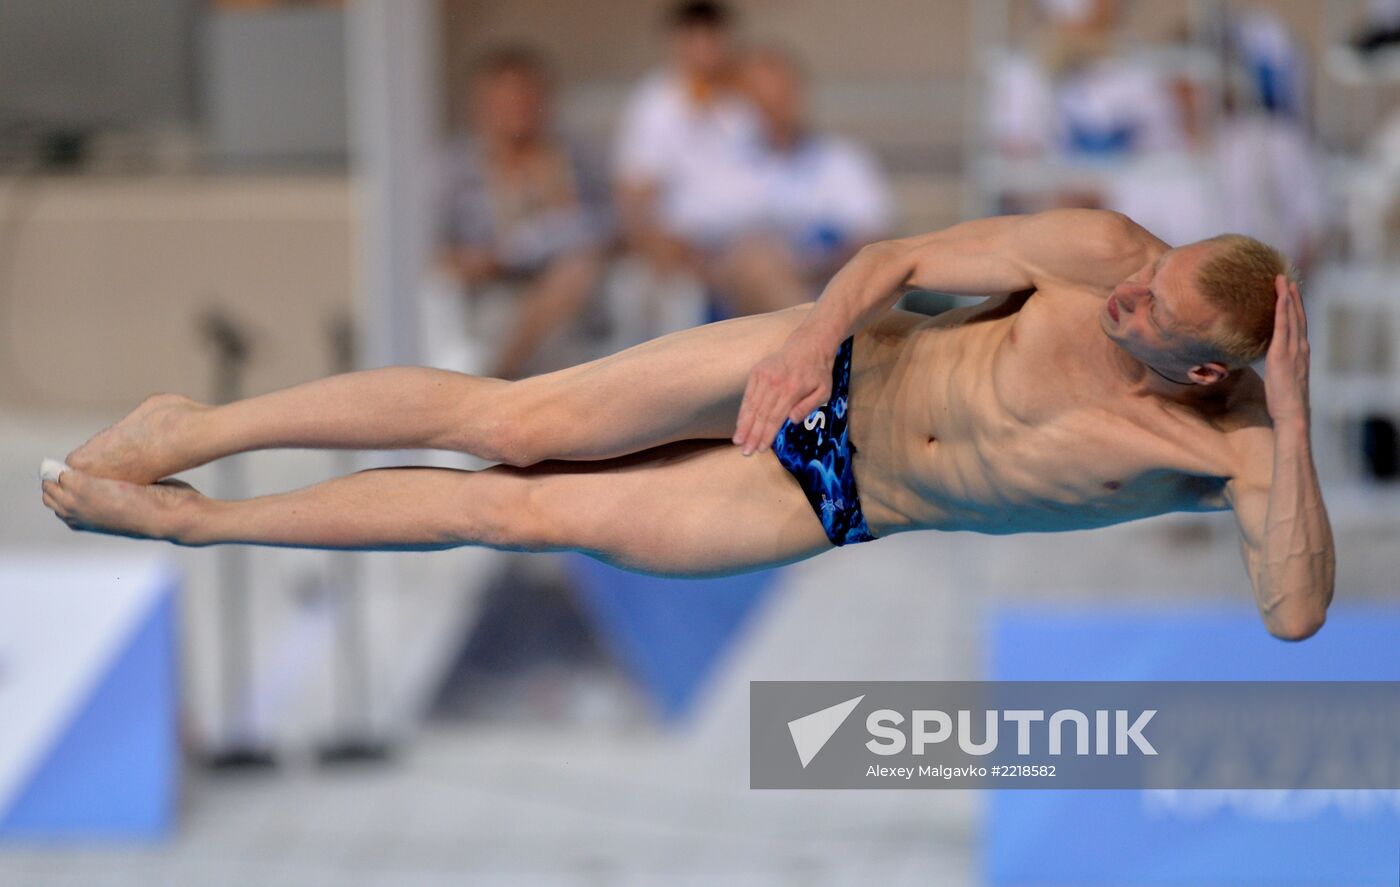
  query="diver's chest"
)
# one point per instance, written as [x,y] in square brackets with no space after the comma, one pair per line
[1044,367]
[1064,475]
[1109,466]
[1089,450]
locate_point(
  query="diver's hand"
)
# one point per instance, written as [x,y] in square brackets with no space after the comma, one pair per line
[1286,365]
[787,384]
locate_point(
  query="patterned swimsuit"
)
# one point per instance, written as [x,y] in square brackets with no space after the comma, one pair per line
[818,452]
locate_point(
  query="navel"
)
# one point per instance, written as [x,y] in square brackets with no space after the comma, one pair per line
[1112,484]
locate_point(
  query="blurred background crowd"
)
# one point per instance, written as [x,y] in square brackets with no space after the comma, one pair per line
[716,192]
[220,197]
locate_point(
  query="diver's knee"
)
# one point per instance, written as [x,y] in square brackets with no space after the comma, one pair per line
[519,516]
[512,433]
[510,444]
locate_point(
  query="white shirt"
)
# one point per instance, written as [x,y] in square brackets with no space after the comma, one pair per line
[1112,104]
[1273,186]
[823,193]
[691,153]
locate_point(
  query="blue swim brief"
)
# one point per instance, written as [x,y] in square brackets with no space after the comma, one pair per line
[818,452]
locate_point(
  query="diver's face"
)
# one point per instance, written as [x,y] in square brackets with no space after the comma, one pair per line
[1157,315]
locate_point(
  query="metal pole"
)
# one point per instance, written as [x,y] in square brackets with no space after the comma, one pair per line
[393,113]
[392,52]
[238,748]
[354,737]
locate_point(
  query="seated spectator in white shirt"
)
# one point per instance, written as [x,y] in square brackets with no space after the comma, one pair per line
[1082,93]
[677,197]
[523,205]
[814,200]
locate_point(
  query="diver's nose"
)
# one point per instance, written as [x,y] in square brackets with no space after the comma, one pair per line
[1128,301]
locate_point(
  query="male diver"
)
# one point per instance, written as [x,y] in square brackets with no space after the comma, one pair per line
[1105,378]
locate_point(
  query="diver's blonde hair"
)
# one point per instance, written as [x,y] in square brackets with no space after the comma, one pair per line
[1238,280]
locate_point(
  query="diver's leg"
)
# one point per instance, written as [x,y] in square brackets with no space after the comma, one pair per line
[692,509]
[682,386]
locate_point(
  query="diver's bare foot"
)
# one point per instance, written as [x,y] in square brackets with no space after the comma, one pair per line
[166,510]
[145,446]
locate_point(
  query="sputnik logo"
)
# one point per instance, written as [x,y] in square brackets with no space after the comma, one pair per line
[811,732]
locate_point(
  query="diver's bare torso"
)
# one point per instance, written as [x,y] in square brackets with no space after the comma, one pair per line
[1009,417]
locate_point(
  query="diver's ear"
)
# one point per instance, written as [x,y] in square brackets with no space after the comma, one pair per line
[1208,373]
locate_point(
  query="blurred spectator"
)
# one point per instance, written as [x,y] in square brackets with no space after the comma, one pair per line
[676,149]
[814,198]
[1272,184]
[1274,63]
[721,177]
[1082,97]
[1080,94]
[523,206]
[1381,30]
